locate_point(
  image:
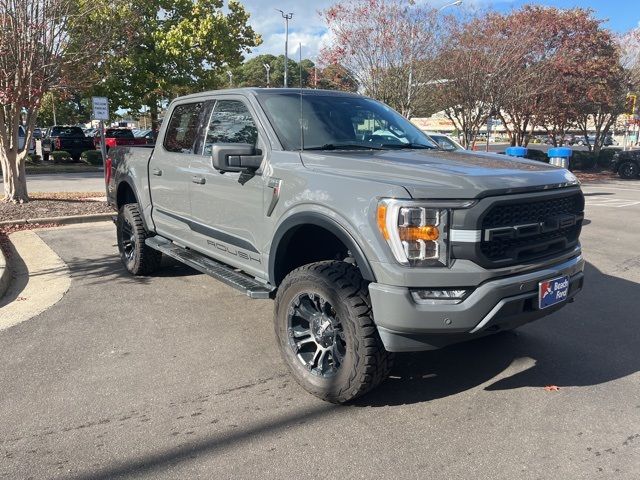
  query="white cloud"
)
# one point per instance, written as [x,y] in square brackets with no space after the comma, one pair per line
[306,26]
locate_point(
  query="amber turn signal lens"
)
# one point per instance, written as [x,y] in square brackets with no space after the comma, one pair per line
[382,221]
[426,233]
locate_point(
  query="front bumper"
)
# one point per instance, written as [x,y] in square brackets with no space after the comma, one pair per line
[497,304]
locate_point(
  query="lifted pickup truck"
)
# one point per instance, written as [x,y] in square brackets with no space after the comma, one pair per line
[370,244]
[626,164]
[65,138]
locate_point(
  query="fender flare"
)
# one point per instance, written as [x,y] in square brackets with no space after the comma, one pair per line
[125,179]
[291,224]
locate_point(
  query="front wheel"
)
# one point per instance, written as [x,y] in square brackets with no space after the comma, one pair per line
[137,257]
[628,170]
[326,334]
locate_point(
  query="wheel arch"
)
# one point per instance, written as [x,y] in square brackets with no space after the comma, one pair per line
[293,225]
[126,193]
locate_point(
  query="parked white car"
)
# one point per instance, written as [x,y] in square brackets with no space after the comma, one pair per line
[445,141]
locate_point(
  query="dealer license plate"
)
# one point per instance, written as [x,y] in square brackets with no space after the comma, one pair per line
[552,292]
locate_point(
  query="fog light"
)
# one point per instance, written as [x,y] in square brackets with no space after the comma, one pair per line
[439,297]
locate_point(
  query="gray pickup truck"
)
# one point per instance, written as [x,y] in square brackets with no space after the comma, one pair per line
[371,238]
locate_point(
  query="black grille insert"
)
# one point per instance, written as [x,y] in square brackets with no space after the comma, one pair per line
[504,241]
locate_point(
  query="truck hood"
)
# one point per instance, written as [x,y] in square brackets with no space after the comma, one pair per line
[442,174]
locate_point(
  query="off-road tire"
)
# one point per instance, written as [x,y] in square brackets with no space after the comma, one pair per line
[628,170]
[136,256]
[366,363]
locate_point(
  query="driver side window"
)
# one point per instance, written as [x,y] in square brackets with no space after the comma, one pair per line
[230,122]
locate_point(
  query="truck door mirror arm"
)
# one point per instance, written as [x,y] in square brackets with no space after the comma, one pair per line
[236,157]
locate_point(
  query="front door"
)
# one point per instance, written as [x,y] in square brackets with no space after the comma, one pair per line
[227,207]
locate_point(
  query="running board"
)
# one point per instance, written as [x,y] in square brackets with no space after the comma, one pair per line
[213,268]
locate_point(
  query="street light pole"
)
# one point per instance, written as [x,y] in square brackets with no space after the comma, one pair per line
[287,17]
[53,107]
[230,74]
[267,67]
[457,3]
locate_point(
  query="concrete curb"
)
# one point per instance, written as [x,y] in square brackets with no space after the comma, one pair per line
[5,272]
[96,217]
[40,278]
[5,275]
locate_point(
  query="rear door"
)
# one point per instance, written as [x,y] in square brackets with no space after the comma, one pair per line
[169,169]
[227,208]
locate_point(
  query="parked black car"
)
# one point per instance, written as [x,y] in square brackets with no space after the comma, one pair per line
[626,164]
[65,138]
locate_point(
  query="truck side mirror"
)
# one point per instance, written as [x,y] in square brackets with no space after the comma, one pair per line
[235,157]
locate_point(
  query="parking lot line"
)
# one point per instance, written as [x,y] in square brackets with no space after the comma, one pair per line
[611,202]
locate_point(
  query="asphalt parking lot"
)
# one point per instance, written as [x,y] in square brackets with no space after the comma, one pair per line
[178,376]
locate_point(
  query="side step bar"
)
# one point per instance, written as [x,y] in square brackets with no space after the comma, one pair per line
[213,268]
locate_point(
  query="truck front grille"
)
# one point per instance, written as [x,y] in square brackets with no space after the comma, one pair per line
[517,232]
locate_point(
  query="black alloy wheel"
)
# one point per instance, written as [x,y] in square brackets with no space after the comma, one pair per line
[629,170]
[316,334]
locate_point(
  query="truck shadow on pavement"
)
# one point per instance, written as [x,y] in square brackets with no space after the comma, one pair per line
[592,341]
[110,268]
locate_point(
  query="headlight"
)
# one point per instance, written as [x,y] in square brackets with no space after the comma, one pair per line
[417,232]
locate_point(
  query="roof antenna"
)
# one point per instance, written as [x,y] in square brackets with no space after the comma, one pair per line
[301,117]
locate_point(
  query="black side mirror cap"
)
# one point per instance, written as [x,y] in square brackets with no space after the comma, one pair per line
[235,157]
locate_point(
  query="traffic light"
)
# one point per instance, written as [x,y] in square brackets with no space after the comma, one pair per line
[630,105]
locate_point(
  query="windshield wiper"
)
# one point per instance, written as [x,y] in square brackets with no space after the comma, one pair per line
[408,145]
[343,146]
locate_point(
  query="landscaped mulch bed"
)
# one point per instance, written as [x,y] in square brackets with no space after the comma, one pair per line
[43,205]
[595,176]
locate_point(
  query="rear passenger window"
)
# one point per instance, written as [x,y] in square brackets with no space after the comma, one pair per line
[182,130]
[230,122]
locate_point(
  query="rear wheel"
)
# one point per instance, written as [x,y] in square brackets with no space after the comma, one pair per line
[137,257]
[326,333]
[628,170]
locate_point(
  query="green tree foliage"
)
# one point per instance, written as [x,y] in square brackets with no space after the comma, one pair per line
[178,47]
[253,73]
[70,109]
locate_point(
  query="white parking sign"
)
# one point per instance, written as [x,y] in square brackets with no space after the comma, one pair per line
[100,108]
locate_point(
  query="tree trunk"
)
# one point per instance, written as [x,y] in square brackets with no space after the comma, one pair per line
[14,176]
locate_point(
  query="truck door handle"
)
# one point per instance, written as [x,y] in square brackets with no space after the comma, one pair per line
[157,172]
[198,180]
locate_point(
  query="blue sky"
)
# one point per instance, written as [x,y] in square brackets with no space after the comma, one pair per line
[622,15]
[307,28]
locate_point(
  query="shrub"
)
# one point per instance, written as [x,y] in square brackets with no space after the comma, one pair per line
[606,155]
[33,159]
[60,157]
[539,155]
[583,160]
[92,157]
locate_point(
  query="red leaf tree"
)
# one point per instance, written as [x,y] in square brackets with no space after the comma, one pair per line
[386,45]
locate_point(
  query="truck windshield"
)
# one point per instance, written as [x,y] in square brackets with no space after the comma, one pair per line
[339,122]
[67,132]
